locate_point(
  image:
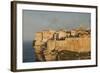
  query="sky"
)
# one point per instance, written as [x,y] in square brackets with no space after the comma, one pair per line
[35,21]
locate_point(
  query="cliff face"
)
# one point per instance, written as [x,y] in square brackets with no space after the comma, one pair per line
[49,44]
[71,44]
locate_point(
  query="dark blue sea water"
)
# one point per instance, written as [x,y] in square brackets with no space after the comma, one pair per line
[28,52]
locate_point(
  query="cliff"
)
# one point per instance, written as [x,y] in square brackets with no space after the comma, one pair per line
[48,44]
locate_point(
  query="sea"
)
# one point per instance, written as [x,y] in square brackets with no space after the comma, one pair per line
[28,52]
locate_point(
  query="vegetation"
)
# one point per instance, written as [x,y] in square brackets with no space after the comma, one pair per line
[70,55]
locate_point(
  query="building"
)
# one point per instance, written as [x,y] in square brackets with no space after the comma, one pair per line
[61,35]
[47,35]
